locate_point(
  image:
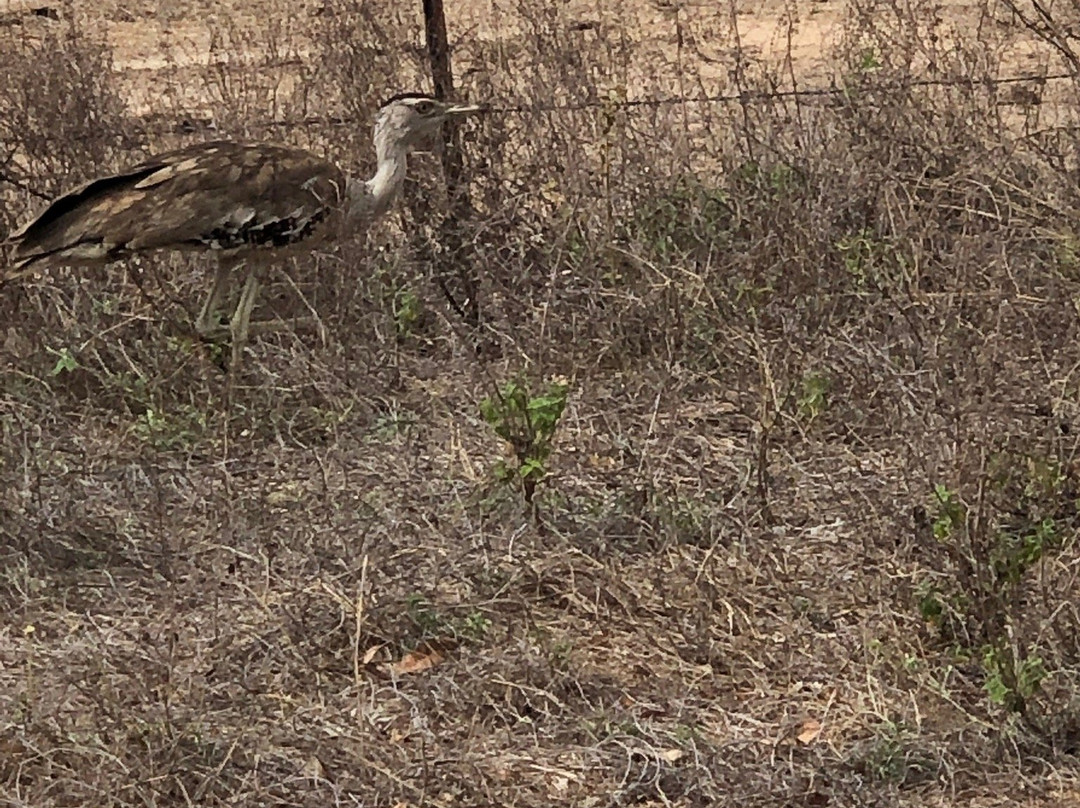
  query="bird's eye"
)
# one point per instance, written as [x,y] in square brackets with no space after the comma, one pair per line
[424,107]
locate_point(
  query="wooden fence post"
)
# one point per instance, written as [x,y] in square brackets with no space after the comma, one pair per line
[461,208]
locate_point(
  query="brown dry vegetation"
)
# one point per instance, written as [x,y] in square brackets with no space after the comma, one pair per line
[809,535]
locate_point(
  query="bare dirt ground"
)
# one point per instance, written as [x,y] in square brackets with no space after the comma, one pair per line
[158,46]
[809,532]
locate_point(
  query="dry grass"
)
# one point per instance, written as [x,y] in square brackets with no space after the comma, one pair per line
[784,323]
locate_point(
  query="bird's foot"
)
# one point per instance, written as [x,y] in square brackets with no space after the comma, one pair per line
[213,329]
[223,332]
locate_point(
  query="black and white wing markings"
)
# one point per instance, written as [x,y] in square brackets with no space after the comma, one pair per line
[244,229]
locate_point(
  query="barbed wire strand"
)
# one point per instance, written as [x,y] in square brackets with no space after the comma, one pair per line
[191,125]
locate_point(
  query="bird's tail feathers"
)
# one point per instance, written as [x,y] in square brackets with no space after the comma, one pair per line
[18,269]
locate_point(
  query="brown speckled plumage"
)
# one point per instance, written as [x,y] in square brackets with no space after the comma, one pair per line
[223,196]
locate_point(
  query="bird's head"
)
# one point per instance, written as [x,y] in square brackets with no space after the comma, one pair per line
[410,120]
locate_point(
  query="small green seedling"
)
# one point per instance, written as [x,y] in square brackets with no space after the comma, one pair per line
[65,362]
[528,424]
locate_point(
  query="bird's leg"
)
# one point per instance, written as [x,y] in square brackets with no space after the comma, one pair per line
[239,328]
[207,325]
[241,319]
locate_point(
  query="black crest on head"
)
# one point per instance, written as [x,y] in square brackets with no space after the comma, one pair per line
[405,96]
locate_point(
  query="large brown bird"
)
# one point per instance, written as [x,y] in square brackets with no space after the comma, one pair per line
[247,203]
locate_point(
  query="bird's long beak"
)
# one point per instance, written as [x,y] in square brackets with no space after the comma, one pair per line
[457,110]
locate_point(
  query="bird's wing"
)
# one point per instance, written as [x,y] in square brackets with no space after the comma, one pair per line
[218,195]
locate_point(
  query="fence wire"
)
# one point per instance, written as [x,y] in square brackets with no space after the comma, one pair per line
[192,125]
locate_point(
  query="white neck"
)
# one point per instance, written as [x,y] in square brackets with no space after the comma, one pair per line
[372,198]
[388,180]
